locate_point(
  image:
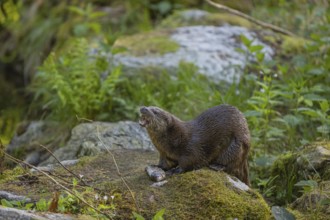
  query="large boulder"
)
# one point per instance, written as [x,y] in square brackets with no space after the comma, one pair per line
[93,138]
[214,49]
[86,139]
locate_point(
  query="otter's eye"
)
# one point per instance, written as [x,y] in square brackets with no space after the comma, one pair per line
[155,112]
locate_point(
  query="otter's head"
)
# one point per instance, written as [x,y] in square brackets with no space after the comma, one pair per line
[154,118]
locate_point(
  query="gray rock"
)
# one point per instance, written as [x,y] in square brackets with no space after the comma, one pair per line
[238,184]
[33,158]
[193,14]
[281,213]
[11,213]
[315,158]
[17,214]
[28,138]
[212,49]
[29,134]
[51,167]
[11,197]
[92,138]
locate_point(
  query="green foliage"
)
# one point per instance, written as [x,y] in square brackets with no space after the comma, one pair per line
[288,106]
[301,16]
[71,84]
[307,185]
[69,203]
[186,94]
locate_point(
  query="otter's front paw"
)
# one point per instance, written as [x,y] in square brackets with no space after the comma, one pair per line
[176,170]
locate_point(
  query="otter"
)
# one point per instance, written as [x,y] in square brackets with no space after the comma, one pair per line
[219,138]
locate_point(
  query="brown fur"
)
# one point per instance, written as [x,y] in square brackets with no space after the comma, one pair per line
[217,137]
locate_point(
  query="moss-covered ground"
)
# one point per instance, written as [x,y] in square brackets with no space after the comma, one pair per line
[202,194]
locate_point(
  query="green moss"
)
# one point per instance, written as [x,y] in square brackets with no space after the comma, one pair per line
[202,194]
[286,171]
[291,168]
[286,45]
[223,18]
[10,175]
[146,43]
[217,19]
[208,190]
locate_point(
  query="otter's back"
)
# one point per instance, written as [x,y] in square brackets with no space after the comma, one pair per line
[221,123]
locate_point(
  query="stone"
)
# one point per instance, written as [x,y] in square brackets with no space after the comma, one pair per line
[315,158]
[17,214]
[30,135]
[213,49]
[89,139]
[238,184]
[12,197]
[51,167]
[281,213]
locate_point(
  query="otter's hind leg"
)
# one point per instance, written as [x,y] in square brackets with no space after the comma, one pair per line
[234,158]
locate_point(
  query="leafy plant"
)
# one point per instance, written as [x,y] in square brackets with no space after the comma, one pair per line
[76,83]
[185,94]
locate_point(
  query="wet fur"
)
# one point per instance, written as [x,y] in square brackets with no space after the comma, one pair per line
[219,136]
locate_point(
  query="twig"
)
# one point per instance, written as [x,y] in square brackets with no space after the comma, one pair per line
[83,119]
[63,165]
[249,18]
[117,168]
[56,182]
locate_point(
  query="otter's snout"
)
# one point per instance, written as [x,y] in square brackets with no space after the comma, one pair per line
[144,110]
[144,117]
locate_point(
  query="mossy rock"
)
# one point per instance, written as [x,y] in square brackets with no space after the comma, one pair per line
[204,194]
[148,43]
[199,17]
[314,204]
[285,45]
[311,162]
[201,194]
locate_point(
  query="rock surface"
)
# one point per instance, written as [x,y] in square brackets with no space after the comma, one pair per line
[213,49]
[30,135]
[11,197]
[92,138]
[17,214]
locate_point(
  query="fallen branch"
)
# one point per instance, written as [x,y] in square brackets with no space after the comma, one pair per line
[249,18]
[64,166]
